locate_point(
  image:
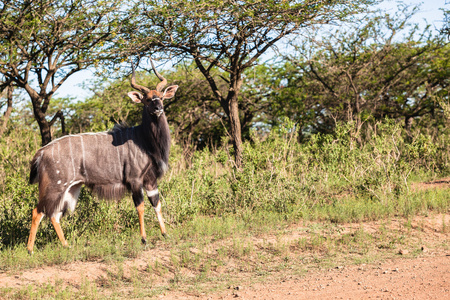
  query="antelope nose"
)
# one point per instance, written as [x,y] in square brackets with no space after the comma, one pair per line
[159,112]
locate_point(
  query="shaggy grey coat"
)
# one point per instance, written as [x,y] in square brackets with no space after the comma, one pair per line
[110,163]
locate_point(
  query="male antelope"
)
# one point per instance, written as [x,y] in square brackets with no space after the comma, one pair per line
[109,163]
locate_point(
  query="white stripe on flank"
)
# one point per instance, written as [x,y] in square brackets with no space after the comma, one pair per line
[84,158]
[53,156]
[59,153]
[71,156]
[152,193]
[118,154]
[121,146]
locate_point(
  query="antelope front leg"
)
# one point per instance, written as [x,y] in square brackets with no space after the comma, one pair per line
[153,196]
[138,199]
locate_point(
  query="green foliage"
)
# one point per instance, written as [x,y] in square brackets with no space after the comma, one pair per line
[193,114]
[364,73]
[15,216]
[110,105]
[44,42]
[329,177]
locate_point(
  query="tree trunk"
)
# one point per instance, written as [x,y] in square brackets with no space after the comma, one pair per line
[408,125]
[358,120]
[233,115]
[44,126]
[46,135]
[229,105]
[235,126]
[7,114]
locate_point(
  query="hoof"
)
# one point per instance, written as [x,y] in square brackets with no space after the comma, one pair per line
[165,235]
[30,252]
[144,241]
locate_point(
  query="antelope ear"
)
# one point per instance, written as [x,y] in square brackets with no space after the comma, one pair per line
[135,96]
[170,92]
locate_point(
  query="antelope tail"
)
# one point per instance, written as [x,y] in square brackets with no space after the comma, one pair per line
[34,171]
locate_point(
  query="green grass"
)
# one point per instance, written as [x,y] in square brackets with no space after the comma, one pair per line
[319,185]
[210,253]
[124,241]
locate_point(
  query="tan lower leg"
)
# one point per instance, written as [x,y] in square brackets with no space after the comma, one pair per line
[160,218]
[36,219]
[140,210]
[59,231]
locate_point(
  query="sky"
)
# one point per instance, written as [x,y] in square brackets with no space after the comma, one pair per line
[429,13]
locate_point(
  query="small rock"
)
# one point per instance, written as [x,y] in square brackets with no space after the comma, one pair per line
[403,252]
[424,249]
[238,288]
[339,267]
[385,272]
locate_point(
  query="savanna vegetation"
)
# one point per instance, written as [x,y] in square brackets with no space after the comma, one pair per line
[335,129]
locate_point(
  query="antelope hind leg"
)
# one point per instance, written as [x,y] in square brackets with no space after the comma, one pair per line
[68,203]
[36,219]
[59,231]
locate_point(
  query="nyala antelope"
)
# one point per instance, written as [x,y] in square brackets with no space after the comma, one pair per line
[110,163]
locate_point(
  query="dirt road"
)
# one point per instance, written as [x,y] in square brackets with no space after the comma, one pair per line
[420,278]
[425,276]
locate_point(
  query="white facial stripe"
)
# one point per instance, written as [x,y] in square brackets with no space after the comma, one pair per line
[152,193]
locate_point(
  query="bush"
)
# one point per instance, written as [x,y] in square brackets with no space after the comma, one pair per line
[329,177]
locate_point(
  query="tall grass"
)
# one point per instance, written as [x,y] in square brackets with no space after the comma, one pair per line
[329,177]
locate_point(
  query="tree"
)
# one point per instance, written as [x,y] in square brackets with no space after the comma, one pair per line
[194,115]
[446,27]
[368,72]
[229,35]
[42,43]
[6,91]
